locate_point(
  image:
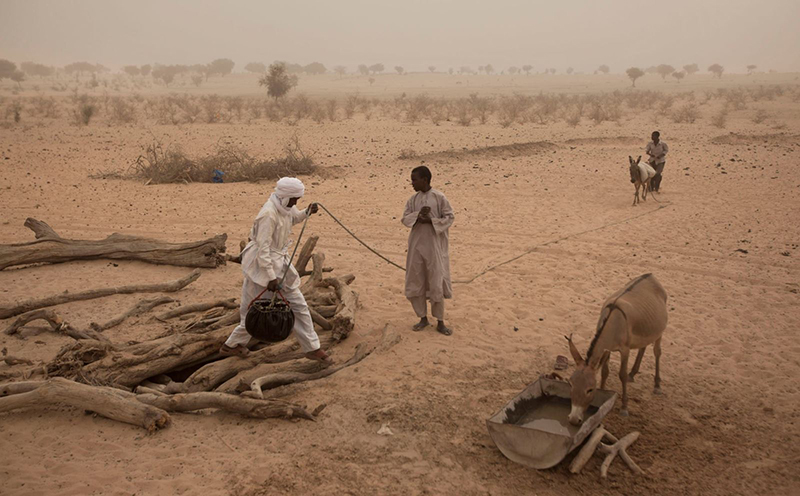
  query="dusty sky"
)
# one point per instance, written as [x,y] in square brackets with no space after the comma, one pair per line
[412,33]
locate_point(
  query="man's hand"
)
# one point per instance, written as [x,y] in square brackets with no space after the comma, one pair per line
[273,285]
[424,215]
[313,208]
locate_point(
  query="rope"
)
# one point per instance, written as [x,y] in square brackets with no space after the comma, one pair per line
[356,237]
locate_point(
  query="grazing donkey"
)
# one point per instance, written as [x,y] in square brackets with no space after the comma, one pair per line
[641,174]
[632,318]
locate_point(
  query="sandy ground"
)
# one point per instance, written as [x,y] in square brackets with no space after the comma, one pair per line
[727,423]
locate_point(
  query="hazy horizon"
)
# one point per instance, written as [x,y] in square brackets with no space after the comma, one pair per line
[414,34]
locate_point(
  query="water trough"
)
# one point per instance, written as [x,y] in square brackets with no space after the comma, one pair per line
[532,428]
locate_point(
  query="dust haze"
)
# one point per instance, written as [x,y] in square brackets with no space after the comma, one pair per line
[581,34]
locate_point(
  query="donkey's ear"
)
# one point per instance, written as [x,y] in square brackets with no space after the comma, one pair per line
[574,352]
[630,159]
[639,159]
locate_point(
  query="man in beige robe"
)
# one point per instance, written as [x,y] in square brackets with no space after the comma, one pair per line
[429,215]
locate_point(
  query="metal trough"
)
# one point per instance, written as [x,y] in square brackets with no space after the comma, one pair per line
[532,429]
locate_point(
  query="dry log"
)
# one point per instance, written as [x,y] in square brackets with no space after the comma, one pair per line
[138,309]
[10,388]
[56,323]
[12,360]
[230,403]
[305,255]
[319,319]
[102,400]
[595,444]
[282,379]
[326,311]
[197,307]
[211,375]
[128,366]
[52,248]
[618,448]
[167,287]
[316,274]
[345,318]
[241,382]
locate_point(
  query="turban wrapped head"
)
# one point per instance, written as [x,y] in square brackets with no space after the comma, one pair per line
[286,189]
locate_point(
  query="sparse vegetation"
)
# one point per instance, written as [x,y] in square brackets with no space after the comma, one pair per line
[716,70]
[634,73]
[278,81]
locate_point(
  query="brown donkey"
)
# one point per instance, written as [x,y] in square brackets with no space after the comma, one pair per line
[641,174]
[632,318]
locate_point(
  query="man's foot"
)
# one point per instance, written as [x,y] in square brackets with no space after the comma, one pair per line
[422,324]
[320,356]
[239,350]
[443,328]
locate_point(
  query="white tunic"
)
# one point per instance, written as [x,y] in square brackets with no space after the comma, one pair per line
[266,255]
[428,259]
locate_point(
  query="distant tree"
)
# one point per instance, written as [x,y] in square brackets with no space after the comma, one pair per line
[371,81]
[165,73]
[131,70]
[256,67]
[220,67]
[664,70]
[527,68]
[513,70]
[293,68]
[340,70]
[716,69]
[8,69]
[480,69]
[553,71]
[315,68]
[376,68]
[432,68]
[80,68]
[488,69]
[604,69]
[570,70]
[18,77]
[634,73]
[690,69]
[145,69]
[277,80]
[399,69]
[678,75]
[363,69]
[751,68]
[197,80]
[651,70]
[450,71]
[34,69]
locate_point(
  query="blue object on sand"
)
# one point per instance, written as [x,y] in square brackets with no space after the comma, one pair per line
[217,176]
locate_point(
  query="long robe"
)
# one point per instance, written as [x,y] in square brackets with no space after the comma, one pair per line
[428,259]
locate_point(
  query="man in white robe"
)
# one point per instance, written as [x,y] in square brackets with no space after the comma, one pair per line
[429,215]
[264,261]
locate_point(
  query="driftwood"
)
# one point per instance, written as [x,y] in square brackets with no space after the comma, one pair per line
[241,382]
[104,401]
[27,306]
[148,410]
[57,324]
[611,451]
[345,318]
[197,307]
[51,248]
[284,378]
[138,309]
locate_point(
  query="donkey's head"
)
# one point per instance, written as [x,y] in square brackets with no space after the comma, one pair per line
[634,168]
[583,382]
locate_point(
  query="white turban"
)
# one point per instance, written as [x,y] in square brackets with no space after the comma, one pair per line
[289,187]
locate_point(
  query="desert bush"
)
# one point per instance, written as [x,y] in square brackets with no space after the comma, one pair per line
[760,116]
[159,164]
[720,118]
[235,105]
[84,110]
[462,109]
[45,106]
[481,107]
[686,113]
[212,105]
[14,110]
[331,105]
[122,110]
[350,104]
[573,118]
[417,107]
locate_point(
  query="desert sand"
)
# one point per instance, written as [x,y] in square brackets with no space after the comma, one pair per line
[551,200]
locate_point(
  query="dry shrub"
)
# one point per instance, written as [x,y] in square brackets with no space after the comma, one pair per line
[573,118]
[687,113]
[760,116]
[720,118]
[122,110]
[481,107]
[85,109]
[161,165]
[330,109]
[351,103]
[45,107]
[462,109]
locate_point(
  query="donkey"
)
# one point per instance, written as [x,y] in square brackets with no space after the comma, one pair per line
[632,318]
[641,174]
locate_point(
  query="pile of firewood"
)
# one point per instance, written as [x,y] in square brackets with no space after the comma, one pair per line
[181,370]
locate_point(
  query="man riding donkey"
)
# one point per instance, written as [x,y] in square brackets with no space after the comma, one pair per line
[265,259]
